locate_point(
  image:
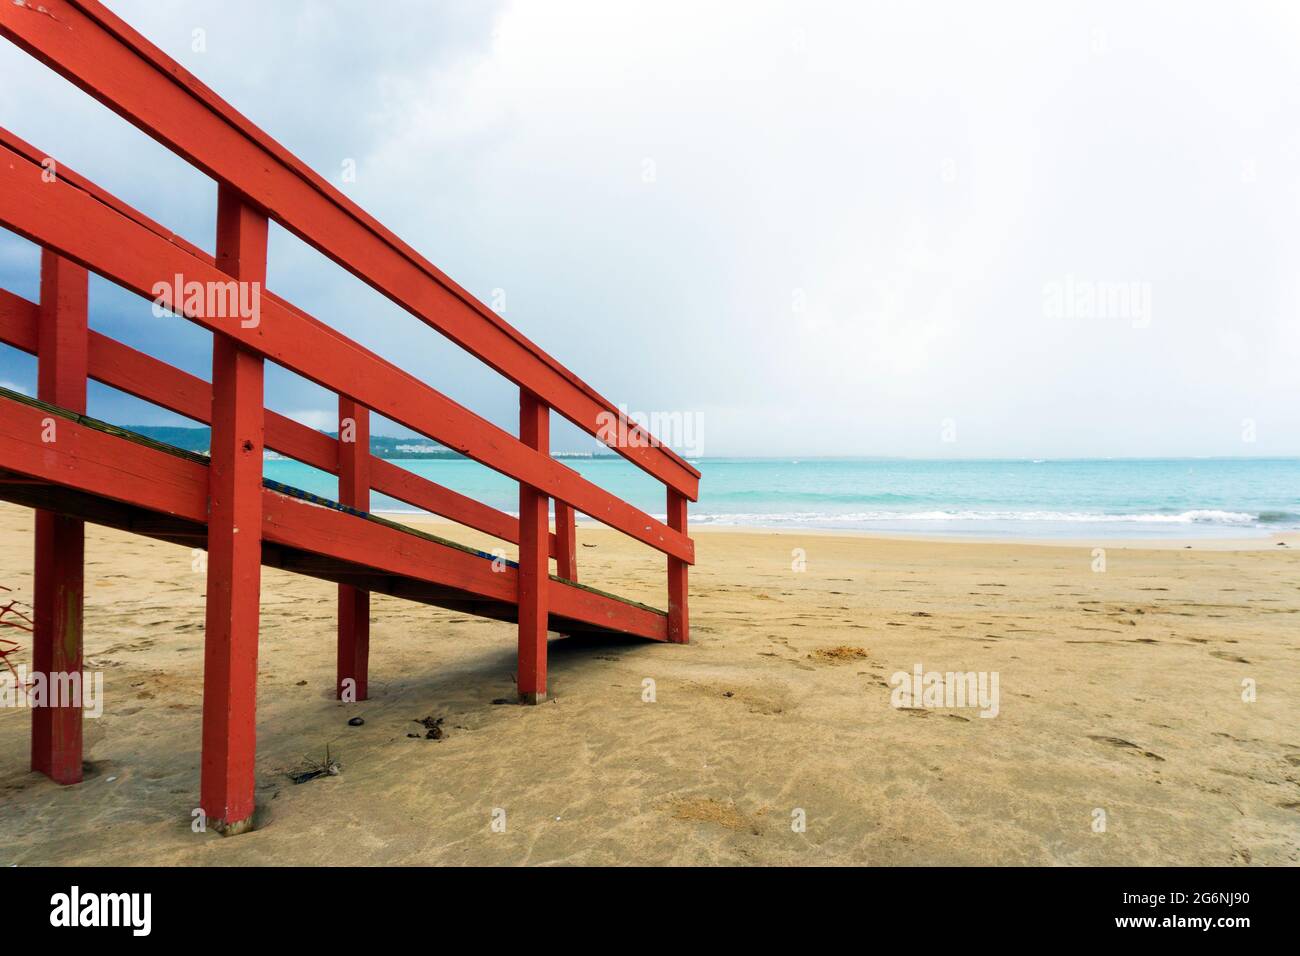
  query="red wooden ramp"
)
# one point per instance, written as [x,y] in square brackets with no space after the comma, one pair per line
[75,469]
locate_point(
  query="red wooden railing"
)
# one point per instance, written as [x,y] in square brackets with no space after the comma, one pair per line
[91,472]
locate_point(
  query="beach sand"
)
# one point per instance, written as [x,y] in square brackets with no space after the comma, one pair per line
[1119,691]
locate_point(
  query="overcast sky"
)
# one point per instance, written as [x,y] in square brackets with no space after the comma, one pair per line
[1037,229]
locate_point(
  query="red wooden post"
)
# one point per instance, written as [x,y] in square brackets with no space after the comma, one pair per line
[354,603]
[60,541]
[234,539]
[679,628]
[566,542]
[534,556]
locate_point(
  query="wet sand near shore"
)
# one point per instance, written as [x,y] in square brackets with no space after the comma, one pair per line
[1121,734]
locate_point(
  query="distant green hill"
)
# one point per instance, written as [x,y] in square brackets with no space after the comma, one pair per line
[190,439]
[381,446]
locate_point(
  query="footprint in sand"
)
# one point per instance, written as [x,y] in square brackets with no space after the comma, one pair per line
[1225,656]
[768,700]
[1126,745]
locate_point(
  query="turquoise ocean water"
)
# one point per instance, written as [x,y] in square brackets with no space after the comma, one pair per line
[1116,498]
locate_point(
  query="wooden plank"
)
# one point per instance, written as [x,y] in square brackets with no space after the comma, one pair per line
[534,564]
[93,460]
[577,602]
[62,323]
[74,223]
[397,482]
[234,541]
[59,580]
[290,522]
[566,538]
[353,660]
[679,625]
[101,511]
[18,322]
[147,378]
[87,44]
[98,462]
[574,608]
[294,523]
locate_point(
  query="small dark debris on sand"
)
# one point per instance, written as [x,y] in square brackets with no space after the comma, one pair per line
[1125,745]
[312,769]
[433,727]
[356,721]
[498,701]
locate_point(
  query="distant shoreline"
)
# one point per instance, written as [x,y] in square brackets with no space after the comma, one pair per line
[1264,542]
[393,448]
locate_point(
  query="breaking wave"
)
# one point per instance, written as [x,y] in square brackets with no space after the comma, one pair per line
[1197,516]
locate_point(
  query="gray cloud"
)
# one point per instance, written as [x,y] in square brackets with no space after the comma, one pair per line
[829,228]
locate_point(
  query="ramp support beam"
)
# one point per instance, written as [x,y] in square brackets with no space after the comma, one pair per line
[59,581]
[354,603]
[679,628]
[234,536]
[534,557]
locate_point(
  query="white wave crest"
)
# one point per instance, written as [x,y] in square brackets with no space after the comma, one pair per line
[1196,516]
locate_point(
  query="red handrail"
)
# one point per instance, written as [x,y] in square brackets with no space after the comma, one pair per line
[145,377]
[121,247]
[93,48]
[92,472]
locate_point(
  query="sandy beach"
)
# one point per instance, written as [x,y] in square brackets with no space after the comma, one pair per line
[1121,694]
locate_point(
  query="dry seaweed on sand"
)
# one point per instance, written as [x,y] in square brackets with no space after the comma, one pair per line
[839,655]
[433,727]
[311,769]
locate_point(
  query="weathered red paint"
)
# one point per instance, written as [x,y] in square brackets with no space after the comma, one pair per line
[92,473]
[354,603]
[99,52]
[144,376]
[82,227]
[566,542]
[679,623]
[110,467]
[234,539]
[534,565]
[59,582]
